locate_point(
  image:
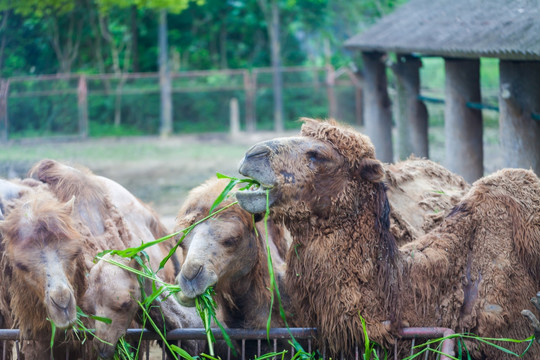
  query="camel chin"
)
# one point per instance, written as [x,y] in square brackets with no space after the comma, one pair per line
[185,300]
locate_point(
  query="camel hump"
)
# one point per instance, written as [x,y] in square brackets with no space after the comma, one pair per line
[516,194]
[66,181]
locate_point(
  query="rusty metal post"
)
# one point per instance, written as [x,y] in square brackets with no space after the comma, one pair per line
[82,104]
[4,122]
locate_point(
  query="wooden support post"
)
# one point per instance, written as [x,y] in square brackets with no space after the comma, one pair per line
[377,106]
[330,91]
[165,82]
[412,116]
[82,105]
[4,122]
[519,99]
[358,96]
[462,124]
[250,89]
[234,118]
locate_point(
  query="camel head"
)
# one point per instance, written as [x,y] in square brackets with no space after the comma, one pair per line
[112,293]
[307,174]
[44,250]
[217,252]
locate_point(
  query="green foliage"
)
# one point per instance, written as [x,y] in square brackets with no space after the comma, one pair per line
[173,6]
[38,8]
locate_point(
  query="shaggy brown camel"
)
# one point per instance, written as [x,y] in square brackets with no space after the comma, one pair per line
[472,273]
[40,265]
[127,222]
[228,253]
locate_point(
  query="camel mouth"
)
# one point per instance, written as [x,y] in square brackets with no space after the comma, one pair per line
[105,351]
[185,300]
[254,199]
[63,316]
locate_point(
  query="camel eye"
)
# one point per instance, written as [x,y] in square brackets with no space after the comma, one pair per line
[316,156]
[313,155]
[22,267]
[229,242]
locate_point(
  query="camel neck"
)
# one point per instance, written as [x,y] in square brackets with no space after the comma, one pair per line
[358,250]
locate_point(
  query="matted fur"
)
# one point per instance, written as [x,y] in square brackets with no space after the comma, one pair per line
[474,272]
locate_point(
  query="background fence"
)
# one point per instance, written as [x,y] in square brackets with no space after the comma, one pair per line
[82,105]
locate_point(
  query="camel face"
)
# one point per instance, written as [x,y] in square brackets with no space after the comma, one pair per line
[295,170]
[44,247]
[112,293]
[217,252]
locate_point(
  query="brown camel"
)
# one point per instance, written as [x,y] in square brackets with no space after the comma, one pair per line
[41,268]
[229,253]
[117,220]
[473,273]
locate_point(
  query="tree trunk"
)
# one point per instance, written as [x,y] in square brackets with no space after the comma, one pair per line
[519,101]
[377,106]
[3,27]
[66,49]
[462,124]
[134,39]
[276,67]
[164,77]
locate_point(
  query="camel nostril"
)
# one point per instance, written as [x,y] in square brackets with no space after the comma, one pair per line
[191,274]
[257,151]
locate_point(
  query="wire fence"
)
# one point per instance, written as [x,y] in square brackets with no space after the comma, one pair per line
[82,105]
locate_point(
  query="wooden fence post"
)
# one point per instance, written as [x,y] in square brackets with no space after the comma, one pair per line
[250,88]
[330,91]
[462,124]
[82,104]
[519,101]
[377,105]
[4,122]
[234,117]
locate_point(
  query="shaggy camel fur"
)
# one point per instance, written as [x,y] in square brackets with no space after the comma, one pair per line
[113,292]
[227,252]
[474,272]
[41,258]
[420,192]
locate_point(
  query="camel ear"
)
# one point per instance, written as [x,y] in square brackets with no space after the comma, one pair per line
[371,170]
[70,205]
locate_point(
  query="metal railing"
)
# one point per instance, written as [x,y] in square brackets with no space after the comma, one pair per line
[305,335]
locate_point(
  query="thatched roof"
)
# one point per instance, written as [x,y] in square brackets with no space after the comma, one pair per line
[506,29]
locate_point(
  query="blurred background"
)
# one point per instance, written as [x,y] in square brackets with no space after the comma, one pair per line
[161,94]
